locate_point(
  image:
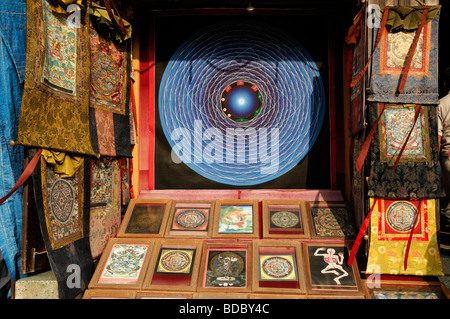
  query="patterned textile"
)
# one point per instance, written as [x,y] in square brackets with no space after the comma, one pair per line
[12,70]
[419,172]
[358,180]
[388,62]
[55,108]
[63,211]
[110,96]
[391,223]
[357,120]
[105,213]
[332,221]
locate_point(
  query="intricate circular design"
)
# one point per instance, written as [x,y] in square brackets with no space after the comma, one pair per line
[62,200]
[104,75]
[269,143]
[400,46]
[327,219]
[191,218]
[284,219]
[175,260]
[241,101]
[400,216]
[400,122]
[277,267]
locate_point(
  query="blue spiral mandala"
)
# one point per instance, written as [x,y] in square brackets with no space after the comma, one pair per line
[266,124]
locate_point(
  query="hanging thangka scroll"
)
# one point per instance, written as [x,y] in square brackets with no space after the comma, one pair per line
[110,95]
[405,62]
[403,238]
[357,38]
[55,108]
[410,143]
[105,212]
[63,211]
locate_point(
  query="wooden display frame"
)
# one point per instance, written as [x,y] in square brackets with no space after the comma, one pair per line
[225,246]
[197,245]
[335,297]
[109,294]
[129,214]
[236,202]
[408,285]
[96,281]
[304,219]
[163,295]
[278,245]
[333,204]
[276,296]
[169,233]
[205,295]
[347,290]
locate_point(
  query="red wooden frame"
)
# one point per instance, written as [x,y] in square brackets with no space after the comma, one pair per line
[147,89]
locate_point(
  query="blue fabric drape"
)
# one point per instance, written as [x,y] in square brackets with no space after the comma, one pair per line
[12,70]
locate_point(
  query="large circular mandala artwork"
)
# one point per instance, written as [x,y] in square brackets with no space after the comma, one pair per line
[241,103]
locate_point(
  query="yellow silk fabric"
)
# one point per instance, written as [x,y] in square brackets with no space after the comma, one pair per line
[387,256]
[64,164]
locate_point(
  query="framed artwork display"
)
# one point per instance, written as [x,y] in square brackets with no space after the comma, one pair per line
[285,219]
[190,219]
[145,218]
[331,220]
[225,267]
[407,290]
[174,265]
[163,295]
[109,294]
[327,271]
[278,267]
[236,218]
[123,264]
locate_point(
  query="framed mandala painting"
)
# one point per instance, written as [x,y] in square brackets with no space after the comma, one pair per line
[174,265]
[123,264]
[331,220]
[237,218]
[145,218]
[226,267]
[285,219]
[327,271]
[278,267]
[190,219]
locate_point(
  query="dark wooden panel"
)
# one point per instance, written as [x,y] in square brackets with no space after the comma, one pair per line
[34,254]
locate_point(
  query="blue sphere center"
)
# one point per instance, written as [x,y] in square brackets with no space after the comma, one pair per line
[241,101]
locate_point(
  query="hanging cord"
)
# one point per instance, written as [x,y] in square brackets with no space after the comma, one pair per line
[365,148]
[408,245]
[416,115]
[26,173]
[412,50]
[120,25]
